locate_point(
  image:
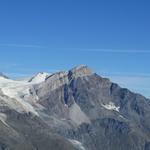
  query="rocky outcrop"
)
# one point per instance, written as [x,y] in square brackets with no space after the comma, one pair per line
[79,71]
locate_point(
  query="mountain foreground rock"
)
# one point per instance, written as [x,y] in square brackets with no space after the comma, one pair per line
[72,110]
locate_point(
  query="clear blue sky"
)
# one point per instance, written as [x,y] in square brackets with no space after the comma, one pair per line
[110,36]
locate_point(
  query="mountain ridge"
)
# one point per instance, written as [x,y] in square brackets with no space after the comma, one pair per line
[3,75]
[84,110]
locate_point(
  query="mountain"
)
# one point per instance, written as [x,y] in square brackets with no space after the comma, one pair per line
[3,75]
[40,77]
[72,110]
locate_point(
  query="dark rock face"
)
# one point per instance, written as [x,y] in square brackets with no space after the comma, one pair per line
[28,132]
[3,75]
[147,146]
[81,110]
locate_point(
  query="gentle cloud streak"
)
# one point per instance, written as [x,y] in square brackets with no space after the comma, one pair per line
[115,51]
[21,45]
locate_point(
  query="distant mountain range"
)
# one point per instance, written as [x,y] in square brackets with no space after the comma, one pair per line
[72,110]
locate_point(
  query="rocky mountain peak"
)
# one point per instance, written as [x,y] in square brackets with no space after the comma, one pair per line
[81,70]
[60,78]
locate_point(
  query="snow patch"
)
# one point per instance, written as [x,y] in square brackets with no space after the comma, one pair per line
[66,105]
[111,106]
[77,144]
[3,119]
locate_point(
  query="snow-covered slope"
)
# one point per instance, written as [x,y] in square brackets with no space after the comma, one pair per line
[19,91]
[40,77]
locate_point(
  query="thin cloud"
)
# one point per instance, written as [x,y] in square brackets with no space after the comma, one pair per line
[122,74]
[4,66]
[21,45]
[115,51]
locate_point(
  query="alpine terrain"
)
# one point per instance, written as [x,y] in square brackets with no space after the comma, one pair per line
[72,110]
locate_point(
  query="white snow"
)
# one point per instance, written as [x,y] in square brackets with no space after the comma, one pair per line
[40,77]
[111,106]
[122,117]
[3,119]
[17,90]
[77,144]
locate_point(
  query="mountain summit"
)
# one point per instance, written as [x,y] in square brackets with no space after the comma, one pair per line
[72,110]
[40,77]
[81,70]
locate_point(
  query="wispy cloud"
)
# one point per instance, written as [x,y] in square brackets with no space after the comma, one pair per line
[21,45]
[4,66]
[115,51]
[126,74]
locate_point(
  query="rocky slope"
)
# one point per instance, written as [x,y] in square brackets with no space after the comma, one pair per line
[76,109]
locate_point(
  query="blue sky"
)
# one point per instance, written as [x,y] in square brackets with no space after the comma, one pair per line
[112,37]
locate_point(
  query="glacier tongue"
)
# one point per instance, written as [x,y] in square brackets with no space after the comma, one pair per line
[19,89]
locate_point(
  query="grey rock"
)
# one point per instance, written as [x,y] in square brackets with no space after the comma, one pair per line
[81,110]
